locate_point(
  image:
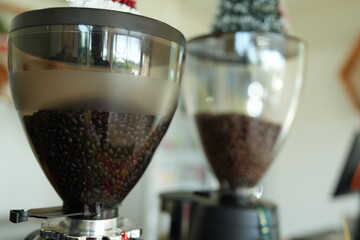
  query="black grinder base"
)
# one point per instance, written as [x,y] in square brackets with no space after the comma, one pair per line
[214,218]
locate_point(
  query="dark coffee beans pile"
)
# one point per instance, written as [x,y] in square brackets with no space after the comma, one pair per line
[239,148]
[91,156]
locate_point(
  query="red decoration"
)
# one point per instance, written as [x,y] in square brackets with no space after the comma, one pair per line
[124,236]
[355,181]
[130,3]
[350,73]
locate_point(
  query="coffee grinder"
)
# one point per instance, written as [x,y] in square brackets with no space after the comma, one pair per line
[241,89]
[95,91]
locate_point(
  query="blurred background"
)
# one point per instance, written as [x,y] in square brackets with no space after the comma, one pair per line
[305,174]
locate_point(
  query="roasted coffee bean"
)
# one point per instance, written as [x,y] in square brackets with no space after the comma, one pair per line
[92,156]
[239,148]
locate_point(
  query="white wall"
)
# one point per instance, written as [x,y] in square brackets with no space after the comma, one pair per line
[304,175]
[191,17]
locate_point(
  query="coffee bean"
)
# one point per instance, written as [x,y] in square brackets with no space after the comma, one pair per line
[239,148]
[84,164]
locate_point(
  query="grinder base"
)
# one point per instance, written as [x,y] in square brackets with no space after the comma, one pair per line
[212,217]
[213,221]
[76,229]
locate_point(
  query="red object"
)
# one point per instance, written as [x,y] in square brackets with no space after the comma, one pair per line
[3,43]
[3,76]
[125,237]
[349,74]
[130,3]
[355,181]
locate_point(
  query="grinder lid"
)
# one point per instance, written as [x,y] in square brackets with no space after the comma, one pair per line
[97,17]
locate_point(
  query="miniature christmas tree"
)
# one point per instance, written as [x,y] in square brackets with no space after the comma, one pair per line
[3,29]
[249,15]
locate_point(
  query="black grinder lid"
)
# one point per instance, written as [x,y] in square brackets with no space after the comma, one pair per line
[97,17]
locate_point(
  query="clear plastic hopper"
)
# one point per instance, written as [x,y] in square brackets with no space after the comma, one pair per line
[95,91]
[242,90]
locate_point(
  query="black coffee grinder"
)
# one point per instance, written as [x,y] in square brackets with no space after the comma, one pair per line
[95,91]
[242,90]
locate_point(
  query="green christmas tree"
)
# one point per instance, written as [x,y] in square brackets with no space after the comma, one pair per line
[3,29]
[249,15]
